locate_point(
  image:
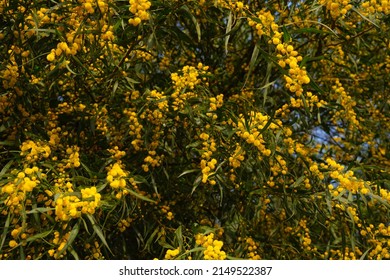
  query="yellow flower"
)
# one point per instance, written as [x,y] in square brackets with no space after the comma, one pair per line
[51,56]
[13,243]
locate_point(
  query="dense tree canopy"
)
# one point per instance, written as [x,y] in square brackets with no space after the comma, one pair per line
[193,129]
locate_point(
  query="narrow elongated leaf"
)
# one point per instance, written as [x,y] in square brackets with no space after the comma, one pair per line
[72,236]
[5,168]
[297,182]
[140,196]
[5,231]
[179,236]
[194,20]
[188,172]
[39,210]
[364,17]
[39,236]
[253,61]
[98,231]
[228,29]
[197,182]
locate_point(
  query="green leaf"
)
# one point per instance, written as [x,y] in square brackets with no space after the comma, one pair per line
[195,22]
[194,144]
[140,196]
[365,253]
[297,182]
[39,210]
[197,182]
[381,200]
[286,34]
[179,236]
[188,172]
[131,81]
[366,18]
[72,236]
[309,30]
[39,236]
[5,231]
[98,231]
[253,61]
[5,168]
[228,29]
[74,254]
[150,240]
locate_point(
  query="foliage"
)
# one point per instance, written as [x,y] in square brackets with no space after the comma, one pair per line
[192,129]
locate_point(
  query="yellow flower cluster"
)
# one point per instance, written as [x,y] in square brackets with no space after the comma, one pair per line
[116,176]
[215,103]
[19,233]
[171,254]
[238,6]
[63,48]
[95,251]
[279,166]
[139,9]
[347,181]
[237,157]
[346,254]
[311,100]
[314,169]
[66,207]
[152,160]
[71,206]
[5,103]
[34,151]
[166,210]
[212,247]
[256,122]
[207,163]
[242,97]
[207,169]
[124,224]
[73,157]
[337,8]
[265,25]
[375,6]
[379,239]
[252,247]
[10,75]
[297,75]
[54,135]
[116,153]
[184,83]
[165,61]
[60,242]
[67,107]
[17,189]
[142,54]
[88,5]
[303,232]
[159,101]
[346,101]
[385,194]
[352,212]
[107,33]
[135,128]
[101,119]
